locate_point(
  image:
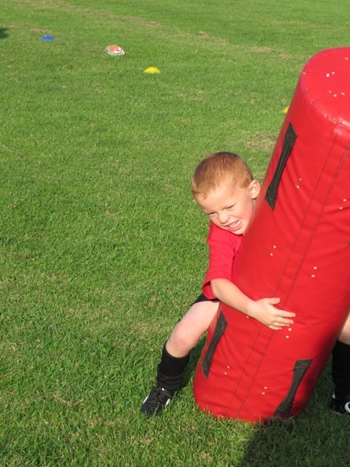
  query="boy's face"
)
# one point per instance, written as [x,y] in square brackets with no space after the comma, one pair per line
[230,207]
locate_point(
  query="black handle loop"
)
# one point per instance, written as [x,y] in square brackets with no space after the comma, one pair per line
[288,143]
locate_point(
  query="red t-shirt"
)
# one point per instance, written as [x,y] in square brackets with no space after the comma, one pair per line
[223,246]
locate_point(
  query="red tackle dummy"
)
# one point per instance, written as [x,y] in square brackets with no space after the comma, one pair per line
[297,248]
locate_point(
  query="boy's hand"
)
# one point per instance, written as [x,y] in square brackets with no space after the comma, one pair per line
[264,311]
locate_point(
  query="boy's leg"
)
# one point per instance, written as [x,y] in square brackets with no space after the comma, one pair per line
[340,402]
[176,353]
[187,332]
[191,327]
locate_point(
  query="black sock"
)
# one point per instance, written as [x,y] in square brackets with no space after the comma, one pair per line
[170,370]
[341,369]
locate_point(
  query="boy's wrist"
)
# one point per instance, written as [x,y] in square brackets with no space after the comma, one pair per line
[250,308]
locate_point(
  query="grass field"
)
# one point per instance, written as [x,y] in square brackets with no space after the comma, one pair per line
[102,248]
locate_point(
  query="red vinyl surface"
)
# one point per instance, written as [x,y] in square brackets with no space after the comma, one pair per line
[297,249]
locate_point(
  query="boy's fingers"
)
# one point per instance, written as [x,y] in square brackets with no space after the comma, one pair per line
[275,300]
[280,322]
[288,314]
[284,322]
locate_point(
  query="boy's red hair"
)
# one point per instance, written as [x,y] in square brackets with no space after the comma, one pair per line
[217,169]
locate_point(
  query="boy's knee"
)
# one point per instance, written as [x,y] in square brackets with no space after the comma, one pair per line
[180,335]
[345,334]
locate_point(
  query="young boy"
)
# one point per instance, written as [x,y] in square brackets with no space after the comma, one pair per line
[225,190]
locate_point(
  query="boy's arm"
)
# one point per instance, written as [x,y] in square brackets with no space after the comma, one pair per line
[263,310]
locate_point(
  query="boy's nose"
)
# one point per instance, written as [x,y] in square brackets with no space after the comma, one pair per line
[223,217]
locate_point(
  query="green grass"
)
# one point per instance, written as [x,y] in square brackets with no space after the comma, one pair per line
[102,248]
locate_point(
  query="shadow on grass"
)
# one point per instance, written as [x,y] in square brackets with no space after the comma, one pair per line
[317,438]
[3,33]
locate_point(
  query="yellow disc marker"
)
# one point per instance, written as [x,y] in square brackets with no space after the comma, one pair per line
[152,69]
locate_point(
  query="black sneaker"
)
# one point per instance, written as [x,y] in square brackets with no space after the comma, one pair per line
[341,406]
[156,401]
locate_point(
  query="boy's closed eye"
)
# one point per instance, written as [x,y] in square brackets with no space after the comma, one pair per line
[228,208]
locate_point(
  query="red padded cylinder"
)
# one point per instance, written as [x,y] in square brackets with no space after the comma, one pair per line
[297,248]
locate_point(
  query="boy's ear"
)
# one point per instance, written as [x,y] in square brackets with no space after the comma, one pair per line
[254,188]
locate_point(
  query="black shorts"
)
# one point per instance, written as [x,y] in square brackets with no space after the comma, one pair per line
[203,298]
